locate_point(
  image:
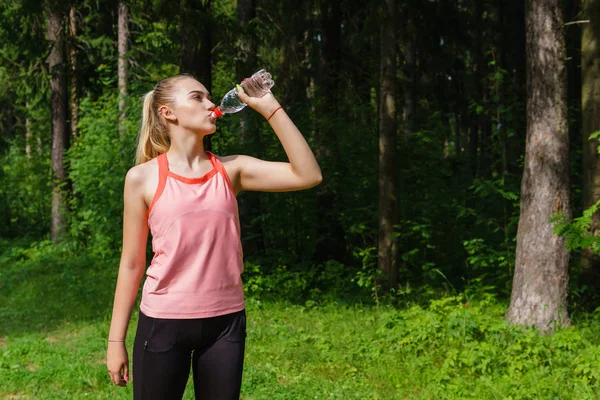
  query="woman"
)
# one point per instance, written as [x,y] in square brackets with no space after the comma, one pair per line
[192,308]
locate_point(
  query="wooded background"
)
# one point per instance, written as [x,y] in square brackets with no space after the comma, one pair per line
[457,139]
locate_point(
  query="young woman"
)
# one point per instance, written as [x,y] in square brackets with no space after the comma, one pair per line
[192,308]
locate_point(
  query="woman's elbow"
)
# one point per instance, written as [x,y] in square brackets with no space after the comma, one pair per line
[315,181]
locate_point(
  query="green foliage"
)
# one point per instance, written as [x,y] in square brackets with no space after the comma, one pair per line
[577,231]
[99,160]
[305,282]
[440,334]
[25,192]
[44,284]
[579,238]
[56,304]
[595,135]
[367,276]
[459,169]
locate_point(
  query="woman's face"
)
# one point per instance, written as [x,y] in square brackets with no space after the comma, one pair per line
[193,107]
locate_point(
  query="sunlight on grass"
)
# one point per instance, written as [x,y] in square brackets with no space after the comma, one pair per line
[55,322]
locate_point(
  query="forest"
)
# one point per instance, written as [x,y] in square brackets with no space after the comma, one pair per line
[452,249]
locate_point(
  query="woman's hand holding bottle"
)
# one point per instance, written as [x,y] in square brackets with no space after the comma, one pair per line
[257,86]
[264,105]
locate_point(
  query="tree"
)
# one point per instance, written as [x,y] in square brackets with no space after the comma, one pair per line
[410,55]
[28,134]
[245,66]
[73,61]
[386,250]
[245,63]
[196,43]
[60,137]
[123,44]
[590,107]
[539,292]
[331,242]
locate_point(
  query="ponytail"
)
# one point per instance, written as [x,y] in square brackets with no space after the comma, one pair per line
[153,138]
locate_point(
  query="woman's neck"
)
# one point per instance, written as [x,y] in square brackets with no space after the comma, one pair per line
[187,150]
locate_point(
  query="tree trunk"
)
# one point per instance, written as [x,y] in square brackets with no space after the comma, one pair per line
[410,74]
[515,60]
[539,293]
[60,137]
[245,66]
[483,120]
[476,143]
[590,106]
[123,44]
[196,40]
[331,19]
[28,133]
[196,44]
[386,252]
[73,60]
[331,242]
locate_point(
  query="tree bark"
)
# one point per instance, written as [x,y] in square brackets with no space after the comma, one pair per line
[196,40]
[386,253]
[28,134]
[245,66]
[476,142]
[539,293]
[123,44]
[410,74]
[60,137]
[73,60]
[331,243]
[590,106]
[483,120]
[196,44]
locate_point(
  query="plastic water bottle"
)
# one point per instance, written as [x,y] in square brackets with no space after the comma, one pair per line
[257,85]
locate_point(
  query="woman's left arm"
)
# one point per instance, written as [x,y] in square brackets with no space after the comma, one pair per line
[301,172]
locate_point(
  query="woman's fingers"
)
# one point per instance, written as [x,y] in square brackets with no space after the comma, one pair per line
[119,380]
[264,105]
[241,94]
[117,364]
[120,377]
[115,377]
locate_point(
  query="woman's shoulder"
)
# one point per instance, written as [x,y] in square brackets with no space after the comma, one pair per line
[231,160]
[139,174]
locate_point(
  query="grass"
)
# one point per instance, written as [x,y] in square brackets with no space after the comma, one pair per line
[55,315]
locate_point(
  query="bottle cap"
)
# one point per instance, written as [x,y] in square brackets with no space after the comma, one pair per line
[217,113]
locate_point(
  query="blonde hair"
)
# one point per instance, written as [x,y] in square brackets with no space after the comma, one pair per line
[153,138]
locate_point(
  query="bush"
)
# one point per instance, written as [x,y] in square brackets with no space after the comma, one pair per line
[99,160]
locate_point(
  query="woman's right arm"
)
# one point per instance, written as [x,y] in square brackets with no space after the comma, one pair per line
[131,271]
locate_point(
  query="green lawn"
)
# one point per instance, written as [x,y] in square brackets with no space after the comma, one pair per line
[54,320]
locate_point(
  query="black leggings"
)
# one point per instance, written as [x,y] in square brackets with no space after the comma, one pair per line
[164,348]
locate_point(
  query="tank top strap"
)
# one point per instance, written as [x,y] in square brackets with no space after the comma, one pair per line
[163,170]
[221,169]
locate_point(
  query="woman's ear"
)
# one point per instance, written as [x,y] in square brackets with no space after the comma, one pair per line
[167,113]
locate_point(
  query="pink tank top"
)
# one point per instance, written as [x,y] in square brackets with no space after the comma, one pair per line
[198,259]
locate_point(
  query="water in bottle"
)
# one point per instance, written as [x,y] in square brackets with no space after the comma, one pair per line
[257,85]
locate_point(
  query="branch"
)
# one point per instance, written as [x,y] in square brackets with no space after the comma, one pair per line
[583,21]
